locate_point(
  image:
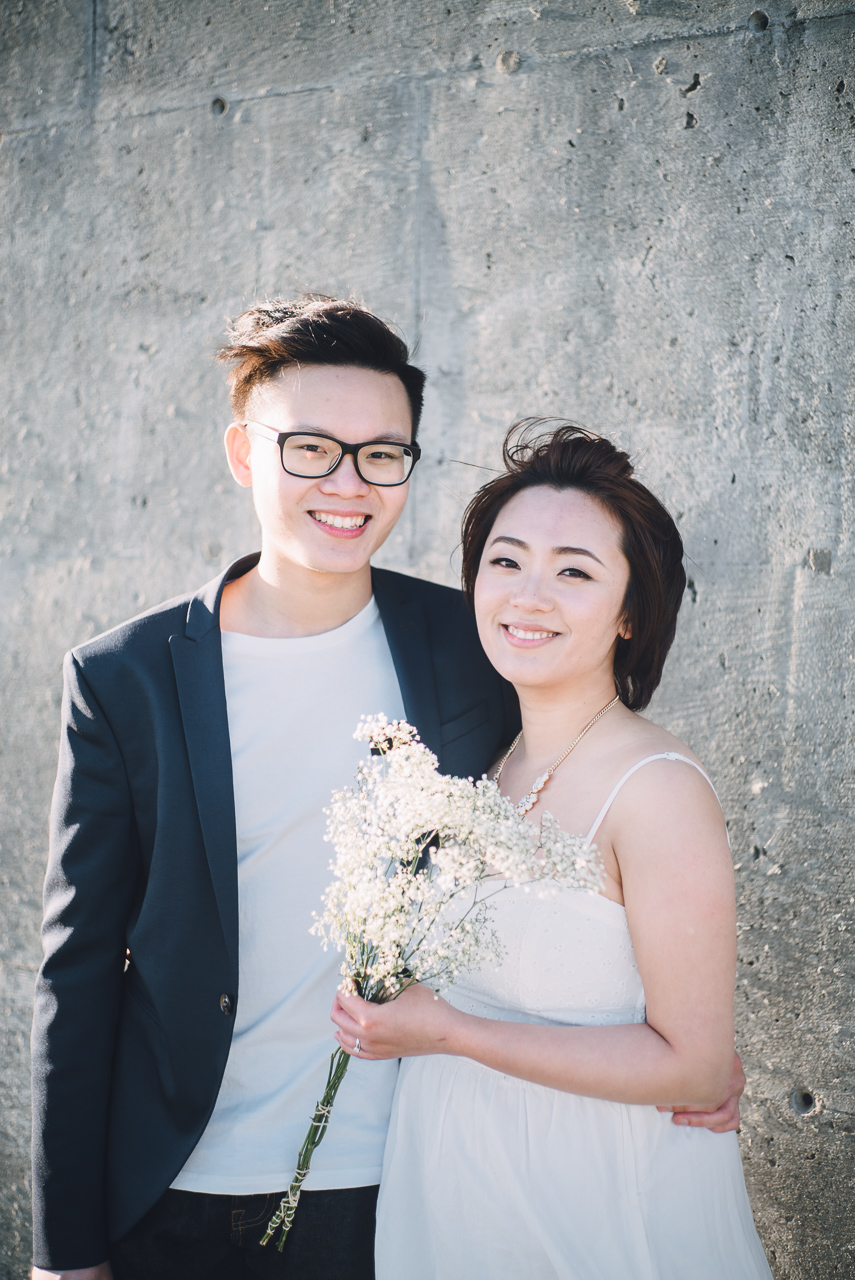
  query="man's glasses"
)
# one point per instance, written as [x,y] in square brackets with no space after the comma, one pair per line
[309,456]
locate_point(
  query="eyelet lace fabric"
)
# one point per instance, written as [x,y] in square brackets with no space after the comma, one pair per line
[568,959]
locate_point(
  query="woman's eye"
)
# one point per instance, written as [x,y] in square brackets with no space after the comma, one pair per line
[505,562]
[574,573]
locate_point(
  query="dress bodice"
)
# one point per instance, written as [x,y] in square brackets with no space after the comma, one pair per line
[567,958]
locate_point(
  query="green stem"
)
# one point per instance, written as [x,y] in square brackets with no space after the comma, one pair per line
[284,1215]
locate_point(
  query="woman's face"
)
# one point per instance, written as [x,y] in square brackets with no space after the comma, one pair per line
[550,590]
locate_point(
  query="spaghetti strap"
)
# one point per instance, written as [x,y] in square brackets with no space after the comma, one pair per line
[662,755]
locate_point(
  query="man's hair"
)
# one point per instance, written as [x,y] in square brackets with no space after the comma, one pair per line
[284,333]
[567,457]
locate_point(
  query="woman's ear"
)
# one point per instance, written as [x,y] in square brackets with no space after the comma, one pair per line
[625,630]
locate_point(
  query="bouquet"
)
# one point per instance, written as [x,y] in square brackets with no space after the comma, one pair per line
[419,855]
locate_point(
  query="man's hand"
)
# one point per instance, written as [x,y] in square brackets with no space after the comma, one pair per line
[726,1116]
[102,1272]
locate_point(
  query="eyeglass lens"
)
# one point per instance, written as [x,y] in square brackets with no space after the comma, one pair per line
[379,463]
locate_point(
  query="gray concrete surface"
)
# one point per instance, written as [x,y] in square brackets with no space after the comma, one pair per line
[637,213]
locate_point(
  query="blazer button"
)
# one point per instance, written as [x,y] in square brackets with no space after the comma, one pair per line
[227,1004]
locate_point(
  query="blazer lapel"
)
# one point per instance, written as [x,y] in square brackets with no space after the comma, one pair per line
[197,658]
[406,631]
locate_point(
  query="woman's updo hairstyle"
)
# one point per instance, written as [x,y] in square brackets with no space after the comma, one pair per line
[539,451]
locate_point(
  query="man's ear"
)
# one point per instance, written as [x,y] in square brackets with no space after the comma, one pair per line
[238,454]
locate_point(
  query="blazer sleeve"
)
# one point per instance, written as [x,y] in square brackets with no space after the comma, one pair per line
[92,874]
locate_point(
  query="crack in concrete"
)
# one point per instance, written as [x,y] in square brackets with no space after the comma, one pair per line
[677,37]
[440,73]
[88,119]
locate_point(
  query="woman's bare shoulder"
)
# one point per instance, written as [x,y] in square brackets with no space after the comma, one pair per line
[651,739]
[667,805]
[659,780]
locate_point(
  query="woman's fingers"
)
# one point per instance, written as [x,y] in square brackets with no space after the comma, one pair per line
[350,1047]
[351,1014]
[353,1003]
[349,1033]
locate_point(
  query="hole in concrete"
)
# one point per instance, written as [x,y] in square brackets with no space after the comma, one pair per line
[803,1102]
[819,559]
[219,106]
[691,120]
[841,85]
[696,84]
[508,62]
[758,21]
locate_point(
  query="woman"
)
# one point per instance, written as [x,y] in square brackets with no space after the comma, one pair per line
[525,1137]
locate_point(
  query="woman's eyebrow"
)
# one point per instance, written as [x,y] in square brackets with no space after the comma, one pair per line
[556,551]
[576,551]
[515,542]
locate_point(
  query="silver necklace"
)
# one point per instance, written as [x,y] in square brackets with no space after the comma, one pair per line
[530,800]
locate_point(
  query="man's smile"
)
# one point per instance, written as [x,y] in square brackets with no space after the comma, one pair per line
[341,523]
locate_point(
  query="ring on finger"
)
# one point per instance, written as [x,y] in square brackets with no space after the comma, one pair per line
[357,1048]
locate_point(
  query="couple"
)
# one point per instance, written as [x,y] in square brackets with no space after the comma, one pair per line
[181,1030]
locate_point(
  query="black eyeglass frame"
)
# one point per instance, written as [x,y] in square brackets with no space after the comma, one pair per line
[279,438]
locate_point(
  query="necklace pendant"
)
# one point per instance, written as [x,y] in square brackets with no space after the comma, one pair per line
[529,801]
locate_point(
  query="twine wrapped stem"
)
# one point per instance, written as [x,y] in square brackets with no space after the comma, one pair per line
[284,1215]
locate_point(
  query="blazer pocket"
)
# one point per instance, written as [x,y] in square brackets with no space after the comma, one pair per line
[470,720]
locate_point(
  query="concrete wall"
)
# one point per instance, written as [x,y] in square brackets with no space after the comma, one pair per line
[637,213]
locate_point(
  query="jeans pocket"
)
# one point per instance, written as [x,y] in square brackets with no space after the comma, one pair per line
[250,1216]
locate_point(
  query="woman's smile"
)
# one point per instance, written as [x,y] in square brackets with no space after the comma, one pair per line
[528,637]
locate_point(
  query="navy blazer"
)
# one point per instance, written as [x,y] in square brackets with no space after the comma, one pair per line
[128,1057]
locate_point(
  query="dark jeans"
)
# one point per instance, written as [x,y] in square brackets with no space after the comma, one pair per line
[191,1235]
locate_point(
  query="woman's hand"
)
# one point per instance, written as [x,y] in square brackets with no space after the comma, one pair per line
[416,1022]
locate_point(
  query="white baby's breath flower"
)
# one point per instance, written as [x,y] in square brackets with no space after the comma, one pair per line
[419,854]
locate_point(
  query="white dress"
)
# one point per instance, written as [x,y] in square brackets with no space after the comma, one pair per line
[487,1177]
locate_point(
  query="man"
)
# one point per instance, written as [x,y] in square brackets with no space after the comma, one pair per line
[182,1013]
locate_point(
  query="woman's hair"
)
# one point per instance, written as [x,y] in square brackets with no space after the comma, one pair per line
[551,452]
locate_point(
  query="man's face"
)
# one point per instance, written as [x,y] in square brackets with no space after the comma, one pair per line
[297,515]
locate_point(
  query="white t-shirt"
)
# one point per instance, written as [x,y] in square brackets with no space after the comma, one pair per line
[292,708]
